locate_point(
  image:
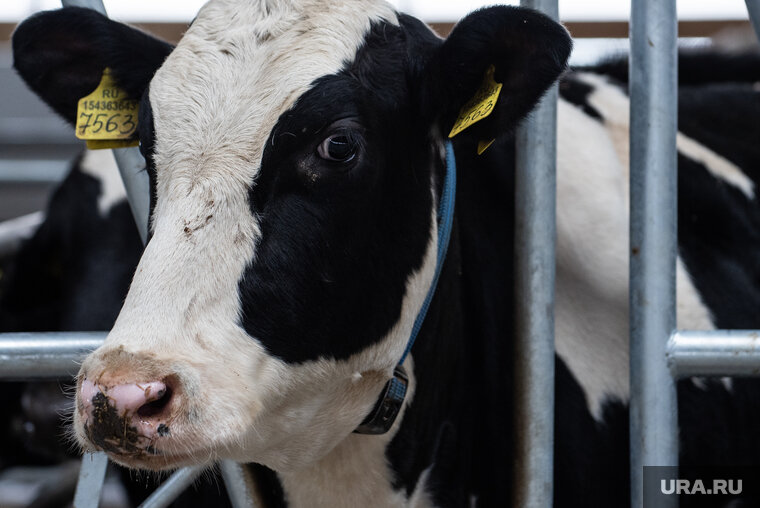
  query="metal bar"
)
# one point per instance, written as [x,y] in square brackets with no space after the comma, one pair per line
[14,231]
[129,160]
[239,485]
[172,487]
[136,182]
[96,5]
[535,239]
[714,353]
[653,89]
[753,8]
[34,171]
[46,355]
[91,476]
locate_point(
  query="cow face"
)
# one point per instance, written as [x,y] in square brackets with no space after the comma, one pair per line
[295,151]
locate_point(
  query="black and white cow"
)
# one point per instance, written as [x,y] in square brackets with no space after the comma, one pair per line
[718,269]
[296,157]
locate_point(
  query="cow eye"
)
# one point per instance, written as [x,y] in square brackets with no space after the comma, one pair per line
[338,148]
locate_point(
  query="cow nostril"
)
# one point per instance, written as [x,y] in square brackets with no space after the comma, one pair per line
[157,406]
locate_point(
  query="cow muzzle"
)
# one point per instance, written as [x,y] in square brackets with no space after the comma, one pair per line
[126,418]
[132,406]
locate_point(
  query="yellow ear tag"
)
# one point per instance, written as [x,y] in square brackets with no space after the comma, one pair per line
[107,118]
[483,146]
[480,106]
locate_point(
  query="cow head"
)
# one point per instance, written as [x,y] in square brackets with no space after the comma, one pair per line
[295,152]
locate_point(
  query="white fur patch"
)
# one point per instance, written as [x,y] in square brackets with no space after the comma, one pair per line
[592,247]
[354,473]
[420,497]
[613,104]
[101,165]
[591,315]
[720,167]
[691,312]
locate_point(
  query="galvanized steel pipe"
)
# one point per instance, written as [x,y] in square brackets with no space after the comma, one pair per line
[172,487]
[91,477]
[714,353]
[653,243]
[136,182]
[535,238]
[95,5]
[239,484]
[753,8]
[53,355]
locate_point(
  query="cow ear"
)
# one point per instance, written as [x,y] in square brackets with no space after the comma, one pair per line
[61,55]
[526,51]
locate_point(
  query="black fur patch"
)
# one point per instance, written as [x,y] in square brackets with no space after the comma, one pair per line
[339,240]
[697,67]
[577,92]
[719,241]
[719,227]
[527,49]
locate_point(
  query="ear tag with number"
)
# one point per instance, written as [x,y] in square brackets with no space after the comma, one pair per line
[480,106]
[107,118]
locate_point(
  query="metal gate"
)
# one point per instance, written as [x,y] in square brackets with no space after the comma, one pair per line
[660,354]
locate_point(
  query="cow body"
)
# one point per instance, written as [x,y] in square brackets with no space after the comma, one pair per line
[716,274]
[296,163]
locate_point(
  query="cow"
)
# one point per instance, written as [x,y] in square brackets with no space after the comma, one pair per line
[297,156]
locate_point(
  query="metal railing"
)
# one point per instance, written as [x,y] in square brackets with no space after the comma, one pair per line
[535,241]
[653,237]
[659,353]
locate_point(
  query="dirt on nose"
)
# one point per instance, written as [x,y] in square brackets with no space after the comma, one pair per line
[111,431]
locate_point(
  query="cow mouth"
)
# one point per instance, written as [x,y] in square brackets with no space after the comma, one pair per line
[150,457]
[154,459]
[136,451]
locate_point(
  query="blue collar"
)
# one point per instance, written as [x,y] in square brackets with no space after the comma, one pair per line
[380,420]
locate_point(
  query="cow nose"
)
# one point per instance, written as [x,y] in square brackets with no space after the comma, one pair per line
[144,406]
